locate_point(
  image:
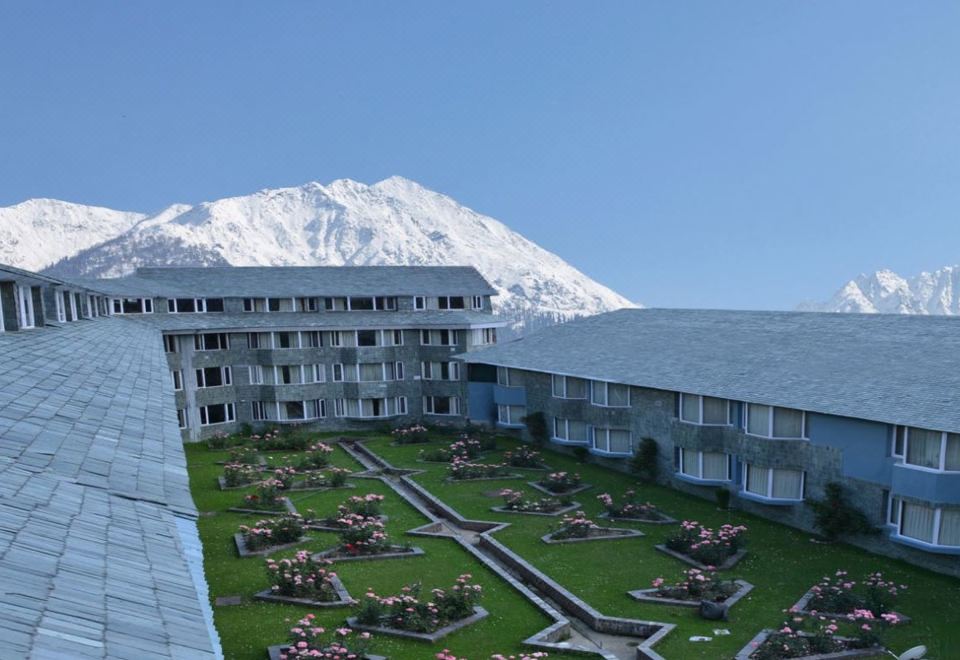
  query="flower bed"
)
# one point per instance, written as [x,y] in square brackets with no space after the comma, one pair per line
[465,449]
[239,475]
[560,483]
[269,535]
[275,440]
[816,637]
[839,596]
[411,435]
[629,509]
[245,455]
[407,615]
[308,640]
[461,470]
[693,587]
[334,477]
[363,537]
[525,457]
[514,502]
[707,548]
[266,497]
[580,528]
[304,581]
[367,506]
[316,457]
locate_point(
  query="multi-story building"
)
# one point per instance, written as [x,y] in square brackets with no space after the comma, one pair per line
[771,405]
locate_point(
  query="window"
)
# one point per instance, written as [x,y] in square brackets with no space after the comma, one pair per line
[219,413]
[213,376]
[316,373]
[316,409]
[419,302]
[484,336]
[568,430]
[568,387]
[256,374]
[441,405]
[254,304]
[338,373]
[339,407]
[253,340]
[393,337]
[450,302]
[774,483]
[367,337]
[704,410]
[188,305]
[216,341]
[611,395]
[249,306]
[177,379]
[362,304]
[612,441]
[919,521]
[335,304]
[511,415]
[440,370]
[25,296]
[709,466]
[170,343]
[286,340]
[214,304]
[273,304]
[287,374]
[181,418]
[384,303]
[931,450]
[503,376]
[2,327]
[372,371]
[477,302]
[292,410]
[311,339]
[258,411]
[775,422]
[61,310]
[336,338]
[439,337]
[308,304]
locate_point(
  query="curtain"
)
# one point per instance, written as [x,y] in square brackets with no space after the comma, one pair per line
[576,431]
[620,441]
[787,423]
[691,462]
[598,393]
[293,409]
[558,386]
[517,413]
[715,411]
[690,408]
[576,388]
[953,452]
[619,395]
[923,448]
[916,522]
[788,484]
[950,527]
[758,419]
[559,428]
[757,479]
[715,466]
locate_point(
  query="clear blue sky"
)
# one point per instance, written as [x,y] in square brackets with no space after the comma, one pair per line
[713,154]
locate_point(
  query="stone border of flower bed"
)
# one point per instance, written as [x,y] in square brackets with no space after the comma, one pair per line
[329,528]
[761,637]
[273,653]
[730,561]
[666,521]
[302,489]
[559,512]
[343,597]
[567,493]
[244,552]
[287,504]
[398,553]
[612,534]
[510,475]
[801,608]
[261,461]
[478,614]
[647,596]
[222,482]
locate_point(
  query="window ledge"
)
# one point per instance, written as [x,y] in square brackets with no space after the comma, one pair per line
[505,425]
[610,454]
[772,501]
[768,437]
[700,482]
[570,443]
[923,545]
[712,426]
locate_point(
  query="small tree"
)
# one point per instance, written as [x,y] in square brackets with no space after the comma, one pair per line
[644,462]
[835,517]
[536,424]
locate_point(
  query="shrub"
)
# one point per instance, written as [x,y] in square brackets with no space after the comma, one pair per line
[364,505]
[576,526]
[285,475]
[705,545]
[411,435]
[275,531]
[362,535]
[644,463]
[407,611]
[722,496]
[514,501]
[302,577]
[337,477]
[315,457]
[275,440]
[802,636]
[536,424]
[436,455]
[239,474]
[581,454]
[221,440]
[841,595]
[835,517]
[266,496]
[696,584]
[628,507]
[308,640]
[462,470]
[245,455]
[523,457]
[560,482]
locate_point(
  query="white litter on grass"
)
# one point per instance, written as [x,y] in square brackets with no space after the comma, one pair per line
[719,632]
[701,638]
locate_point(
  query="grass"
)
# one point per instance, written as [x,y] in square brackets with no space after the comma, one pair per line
[782,562]
[246,630]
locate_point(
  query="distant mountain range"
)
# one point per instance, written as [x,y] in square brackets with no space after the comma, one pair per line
[886,292]
[393,222]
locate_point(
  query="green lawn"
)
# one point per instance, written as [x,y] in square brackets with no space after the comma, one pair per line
[782,565]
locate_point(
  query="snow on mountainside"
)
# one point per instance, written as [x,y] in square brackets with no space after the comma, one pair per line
[886,292]
[393,222]
[39,232]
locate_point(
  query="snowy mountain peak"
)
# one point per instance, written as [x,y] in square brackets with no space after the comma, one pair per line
[392,222]
[887,292]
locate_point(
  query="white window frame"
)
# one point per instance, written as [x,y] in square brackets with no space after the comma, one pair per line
[429,406]
[256,374]
[605,430]
[700,421]
[258,411]
[338,366]
[181,418]
[401,405]
[746,423]
[340,407]
[419,303]
[25,296]
[769,495]
[226,377]
[170,344]
[3,328]
[606,394]
[503,377]
[199,306]
[276,343]
[199,341]
[557,378]
[565,438]
[318,373]
[937,524]
[509,421]
[336,338]
[58,301]
[177,376]
[906,452]
[229,413]
[699,476]
[477,302]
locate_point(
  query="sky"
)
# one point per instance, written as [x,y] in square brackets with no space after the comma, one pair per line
[694,154]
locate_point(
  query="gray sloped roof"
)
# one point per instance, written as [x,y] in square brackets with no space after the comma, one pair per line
[887,368]
[96,519]
[319,321]
[289,281]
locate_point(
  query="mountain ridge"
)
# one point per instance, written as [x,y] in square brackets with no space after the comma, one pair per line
[887,292]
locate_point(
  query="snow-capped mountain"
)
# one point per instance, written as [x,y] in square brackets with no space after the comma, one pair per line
[393,222]
[38,232]
[886,292]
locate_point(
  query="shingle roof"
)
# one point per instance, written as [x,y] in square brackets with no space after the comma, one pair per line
[888,368]
[96,519]
[277,281]
[320,321]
